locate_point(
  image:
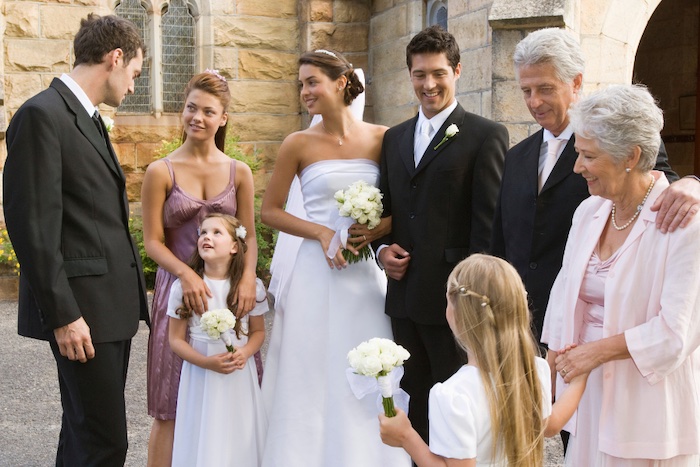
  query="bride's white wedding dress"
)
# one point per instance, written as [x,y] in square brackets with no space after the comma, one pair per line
[322,313]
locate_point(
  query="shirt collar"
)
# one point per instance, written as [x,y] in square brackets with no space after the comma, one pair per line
[79,93]
[438,120]
[565,135]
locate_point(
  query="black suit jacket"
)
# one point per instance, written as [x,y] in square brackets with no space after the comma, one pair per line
[530,231]
[67,215]
[442,210]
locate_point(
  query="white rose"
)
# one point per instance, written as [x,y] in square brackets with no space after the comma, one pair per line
[109,123]
[370,366]
[451,130]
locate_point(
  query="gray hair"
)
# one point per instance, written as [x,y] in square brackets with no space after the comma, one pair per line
[619,118]
[554,46]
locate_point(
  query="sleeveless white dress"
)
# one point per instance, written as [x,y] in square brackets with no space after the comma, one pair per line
[322,313]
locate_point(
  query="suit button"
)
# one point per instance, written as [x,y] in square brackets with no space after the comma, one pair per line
[133,265]
[533,265]
[412,215]
[413,185]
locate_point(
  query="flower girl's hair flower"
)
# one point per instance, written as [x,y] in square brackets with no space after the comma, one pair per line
[241,232]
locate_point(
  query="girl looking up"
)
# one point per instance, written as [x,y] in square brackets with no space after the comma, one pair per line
[220,419]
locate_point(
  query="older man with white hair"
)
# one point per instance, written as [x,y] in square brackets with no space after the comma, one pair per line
[539,190]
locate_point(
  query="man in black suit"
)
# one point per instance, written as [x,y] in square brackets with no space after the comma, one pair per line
[537,199]
[81,283]
[440,173]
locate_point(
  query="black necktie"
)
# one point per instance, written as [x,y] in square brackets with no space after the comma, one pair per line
[98,123]
[97,120]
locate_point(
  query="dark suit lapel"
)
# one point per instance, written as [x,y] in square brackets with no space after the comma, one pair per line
[457,118]
[564,166]
[529,164]
[406,146]
[87,127]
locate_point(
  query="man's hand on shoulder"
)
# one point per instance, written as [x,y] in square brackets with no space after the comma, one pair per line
[677,205]
[395,261]
[74,341]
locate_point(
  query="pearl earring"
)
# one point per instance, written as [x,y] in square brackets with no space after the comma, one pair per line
[628,170]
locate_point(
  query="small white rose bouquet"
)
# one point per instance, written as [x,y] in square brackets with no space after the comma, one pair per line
[450,132]
[109,123]
[218,324]
[378,363]
[361,203]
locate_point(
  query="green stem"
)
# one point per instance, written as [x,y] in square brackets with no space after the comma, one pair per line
[388,403]
[364,254]
[230,349]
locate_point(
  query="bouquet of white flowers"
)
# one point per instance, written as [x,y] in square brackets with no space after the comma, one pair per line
[381,359]
[361,203]
[218,324]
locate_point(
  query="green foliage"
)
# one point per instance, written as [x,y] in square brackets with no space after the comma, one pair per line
[265,235]
[149,266]
[8,258]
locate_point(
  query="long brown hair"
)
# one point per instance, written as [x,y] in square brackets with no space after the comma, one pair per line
[215,84]
[491,318]
[235,268]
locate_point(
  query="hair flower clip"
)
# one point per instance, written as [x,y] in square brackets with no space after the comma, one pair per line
[484,299]
[215,73]
[241,232]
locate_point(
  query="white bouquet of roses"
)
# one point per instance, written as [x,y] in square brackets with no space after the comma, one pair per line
[218,324]
[361,203]
[382,361]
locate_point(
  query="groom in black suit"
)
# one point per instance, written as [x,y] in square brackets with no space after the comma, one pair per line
[81,283]
[440,173]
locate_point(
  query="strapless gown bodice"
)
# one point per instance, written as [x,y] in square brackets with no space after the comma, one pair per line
[321,180]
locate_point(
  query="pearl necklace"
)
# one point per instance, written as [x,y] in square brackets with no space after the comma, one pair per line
[636,214]
[340,138]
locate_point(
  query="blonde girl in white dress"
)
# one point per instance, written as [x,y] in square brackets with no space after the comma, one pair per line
[496,410]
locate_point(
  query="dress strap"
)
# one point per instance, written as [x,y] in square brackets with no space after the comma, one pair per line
[232,177]
[170,169]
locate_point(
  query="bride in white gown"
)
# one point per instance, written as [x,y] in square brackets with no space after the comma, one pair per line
[327,306]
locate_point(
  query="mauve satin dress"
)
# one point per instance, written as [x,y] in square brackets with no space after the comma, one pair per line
[182,214]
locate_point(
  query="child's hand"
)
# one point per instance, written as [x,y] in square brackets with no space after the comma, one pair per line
[394,430]
[240,357]
[221,363]
[566,349]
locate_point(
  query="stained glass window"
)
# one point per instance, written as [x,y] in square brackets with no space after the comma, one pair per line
[140,100]
[178,55]
[437,13]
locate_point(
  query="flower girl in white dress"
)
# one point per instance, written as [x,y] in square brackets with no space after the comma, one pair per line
[497,424]
[220,418]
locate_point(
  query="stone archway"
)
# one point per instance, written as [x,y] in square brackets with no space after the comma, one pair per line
[668,65]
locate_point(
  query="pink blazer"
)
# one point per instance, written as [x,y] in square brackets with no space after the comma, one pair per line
[651,402]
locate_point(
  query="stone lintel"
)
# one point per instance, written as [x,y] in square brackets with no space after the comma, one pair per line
[527,14]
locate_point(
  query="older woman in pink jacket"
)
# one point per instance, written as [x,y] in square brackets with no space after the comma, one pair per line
[628,296]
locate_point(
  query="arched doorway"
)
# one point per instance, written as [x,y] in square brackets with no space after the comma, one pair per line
[667,62]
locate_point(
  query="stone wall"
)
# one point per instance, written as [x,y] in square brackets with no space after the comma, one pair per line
[254,43]
[394,23]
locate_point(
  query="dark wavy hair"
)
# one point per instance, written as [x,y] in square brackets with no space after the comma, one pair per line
[235,268]
[334,65]
[215,84]
[99,35]
[433,40]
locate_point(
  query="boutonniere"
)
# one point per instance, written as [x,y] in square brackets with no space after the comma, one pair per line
[109,123]
[449,133]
